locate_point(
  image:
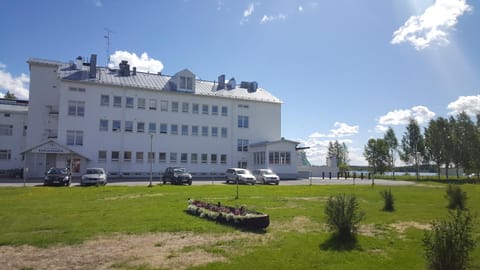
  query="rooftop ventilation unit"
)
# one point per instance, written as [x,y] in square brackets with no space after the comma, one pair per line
[124,68]
[79,62]
[221,82]
[252,87]
[231,84]
[134,71]
[93,66]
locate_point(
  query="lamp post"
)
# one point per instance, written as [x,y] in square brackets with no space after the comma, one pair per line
[150,157]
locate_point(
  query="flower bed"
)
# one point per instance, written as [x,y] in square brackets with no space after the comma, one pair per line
[240,217]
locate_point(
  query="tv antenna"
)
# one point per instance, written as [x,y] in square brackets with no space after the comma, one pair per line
[107,37]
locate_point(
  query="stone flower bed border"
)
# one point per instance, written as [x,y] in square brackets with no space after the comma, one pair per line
[239,217]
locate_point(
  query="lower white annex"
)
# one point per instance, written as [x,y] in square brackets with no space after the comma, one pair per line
[130,123]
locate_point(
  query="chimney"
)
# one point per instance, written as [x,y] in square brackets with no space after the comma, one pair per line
[124,68]
[134,71]
[221,82]
[93,66]
[79,62]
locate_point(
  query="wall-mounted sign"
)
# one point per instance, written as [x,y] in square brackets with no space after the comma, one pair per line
[50,148]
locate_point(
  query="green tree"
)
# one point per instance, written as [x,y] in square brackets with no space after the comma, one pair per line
[377,155]
[465,132]
[339,151]
[438,143]
[413,146]
[455,151]
[392,144]
[9,95]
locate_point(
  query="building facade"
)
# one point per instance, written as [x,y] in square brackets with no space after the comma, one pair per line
[13,131]
[130,123]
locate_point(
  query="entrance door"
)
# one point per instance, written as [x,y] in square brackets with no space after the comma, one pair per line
[51,161]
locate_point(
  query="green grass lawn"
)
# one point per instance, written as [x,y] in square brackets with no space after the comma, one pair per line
[296,238]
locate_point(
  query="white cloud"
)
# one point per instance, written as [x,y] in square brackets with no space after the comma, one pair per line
[343,130]
[401,117]
[432,26]
[300,8]
[467,104]
[267,18]
[142,63]
[247,13]
[15,85]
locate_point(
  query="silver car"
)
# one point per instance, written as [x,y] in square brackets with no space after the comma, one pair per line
[239,175]
[266,176]
[94,176]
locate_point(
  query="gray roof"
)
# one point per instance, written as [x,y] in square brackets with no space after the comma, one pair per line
[151,81]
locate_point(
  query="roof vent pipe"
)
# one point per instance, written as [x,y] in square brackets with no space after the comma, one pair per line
[221,82]
[79,62]
[93,66]
[134,71]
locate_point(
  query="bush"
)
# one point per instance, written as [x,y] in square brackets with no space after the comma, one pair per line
[388,200]
[343,215]
[449,243]
[457,199]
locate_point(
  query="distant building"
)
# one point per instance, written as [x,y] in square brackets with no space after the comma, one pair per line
[81,115]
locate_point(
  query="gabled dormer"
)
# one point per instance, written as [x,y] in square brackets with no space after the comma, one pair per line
[185,81]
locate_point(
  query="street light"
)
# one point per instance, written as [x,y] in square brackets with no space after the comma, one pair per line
[150,157]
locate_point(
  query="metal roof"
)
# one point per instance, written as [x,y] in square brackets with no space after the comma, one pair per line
[151,81]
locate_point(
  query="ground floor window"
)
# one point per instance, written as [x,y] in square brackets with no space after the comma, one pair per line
[102,156]
[242,164]
[259,158]
[279,158]
[5,154]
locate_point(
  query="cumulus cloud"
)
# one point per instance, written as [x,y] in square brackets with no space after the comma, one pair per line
[467,104]
[401,117]
[15,85]
[432,26]
[247,13]
[269,18]
[142,63]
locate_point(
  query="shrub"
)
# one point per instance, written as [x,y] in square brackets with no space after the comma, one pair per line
[449,243]
[343,215]
[388,200]
[457,199]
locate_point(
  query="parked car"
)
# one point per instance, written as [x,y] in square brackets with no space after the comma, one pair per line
[266,176]
[238,175]
[58,176]
[177,175]
[94,176]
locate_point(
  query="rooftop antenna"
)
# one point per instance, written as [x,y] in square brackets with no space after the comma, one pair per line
[107,50]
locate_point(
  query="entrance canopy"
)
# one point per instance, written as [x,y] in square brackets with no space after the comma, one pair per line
[52,147]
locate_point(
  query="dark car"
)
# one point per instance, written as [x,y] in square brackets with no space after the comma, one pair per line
[58,176]
[177,175]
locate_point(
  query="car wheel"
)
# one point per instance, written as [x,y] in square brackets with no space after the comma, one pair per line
[190,182]
[278,182]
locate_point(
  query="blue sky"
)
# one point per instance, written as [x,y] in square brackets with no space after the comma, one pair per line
[345,69]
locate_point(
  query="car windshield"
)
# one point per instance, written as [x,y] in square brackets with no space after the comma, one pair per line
[242,172]
[180,170]
[94,171]
[57,171]
[267,172]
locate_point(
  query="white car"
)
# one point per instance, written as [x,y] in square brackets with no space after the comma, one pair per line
[94,176]
[266,176]
[238,175]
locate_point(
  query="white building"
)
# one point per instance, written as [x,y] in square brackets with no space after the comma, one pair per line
[81,115]
[13,130]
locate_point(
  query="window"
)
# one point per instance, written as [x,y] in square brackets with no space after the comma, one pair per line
[141,103]
[183,157]
[5,154]
[129,102]
[117,101]
[162,157]
[76,108]
[224,110]
[204,109]
[102,156]
[152,104]
[6,130]
[186,83]
[194,130]
[105,100]
[214,131]
[204,131]
[213,158]
[6,114]
[139,157]
[75,89]
[204,158]
[174,106]
[185,107]
[173,157]
[116,125]
[194,158]
[151,157]
[195,108]
[74,137]
[224,132]
[190,83]
[115,156]
[128,126]
[152,127]
[103,125]
[243,106]
[242,164]
[242,145]
[184,130]
[173,129]
[279,158]
[140,127]
[163,105]
[214,110]
[163,128]
[242,121]
[127,156]
[223,159]
[259,158]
